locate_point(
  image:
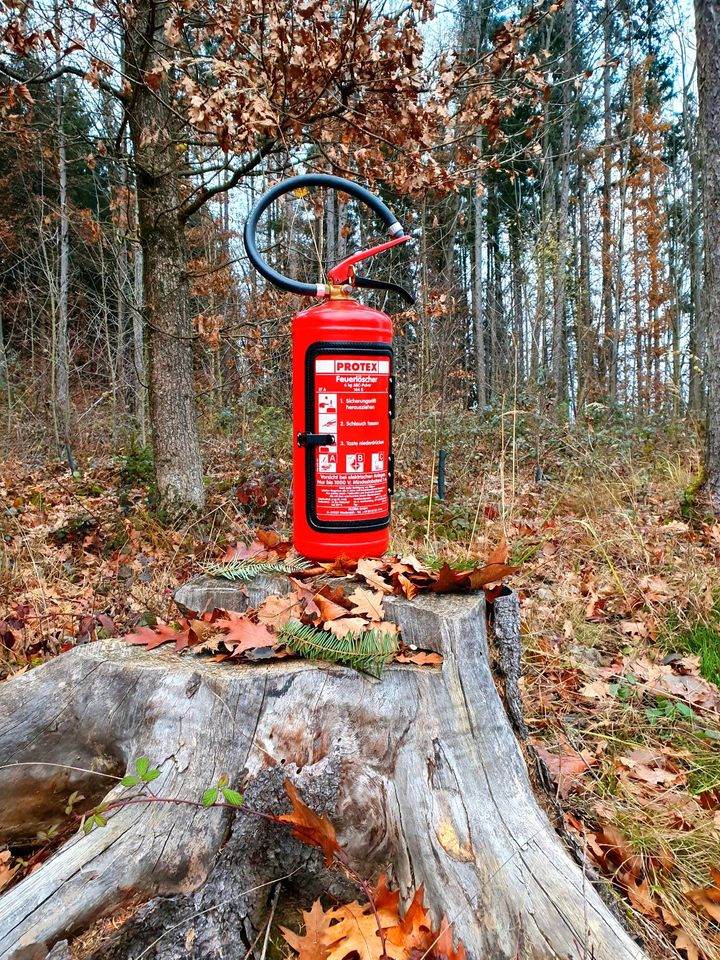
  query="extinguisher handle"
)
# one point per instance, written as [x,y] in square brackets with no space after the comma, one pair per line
[369,284]
[329,182]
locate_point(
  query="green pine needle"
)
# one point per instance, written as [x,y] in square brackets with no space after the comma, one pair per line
[246,570]
[368,652]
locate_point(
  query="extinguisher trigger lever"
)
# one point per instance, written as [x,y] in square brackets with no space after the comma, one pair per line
[369,284]
[315,439]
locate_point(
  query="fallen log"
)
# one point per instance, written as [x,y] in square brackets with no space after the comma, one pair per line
[421,773]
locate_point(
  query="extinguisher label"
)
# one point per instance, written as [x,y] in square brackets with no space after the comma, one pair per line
[352,402]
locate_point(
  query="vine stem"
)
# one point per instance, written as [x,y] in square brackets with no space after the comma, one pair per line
[340,856]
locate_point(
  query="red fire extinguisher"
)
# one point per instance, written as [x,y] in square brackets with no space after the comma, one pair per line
[343,394]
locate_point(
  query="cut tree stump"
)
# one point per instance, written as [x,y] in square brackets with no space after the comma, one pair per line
[420,772]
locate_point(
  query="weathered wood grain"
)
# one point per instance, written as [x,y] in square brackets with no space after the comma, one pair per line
[421,773]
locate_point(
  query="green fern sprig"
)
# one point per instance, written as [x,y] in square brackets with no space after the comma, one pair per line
[368,652]
[246,570]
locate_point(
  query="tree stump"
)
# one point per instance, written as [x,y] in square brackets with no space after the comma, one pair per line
[420,772]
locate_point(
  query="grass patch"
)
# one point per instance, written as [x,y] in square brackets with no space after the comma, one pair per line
[701,638]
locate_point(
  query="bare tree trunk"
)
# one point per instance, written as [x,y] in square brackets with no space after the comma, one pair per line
[156,138]
[477,290]
[62,357]
[4,371]
[696,344]
[707,24]
[585,337]
[609,352]
[421,773]
[559,344]
[140,372]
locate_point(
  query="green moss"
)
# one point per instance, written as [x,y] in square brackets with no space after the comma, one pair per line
[690,495]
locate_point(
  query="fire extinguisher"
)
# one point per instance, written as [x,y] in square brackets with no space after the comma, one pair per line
[343,393]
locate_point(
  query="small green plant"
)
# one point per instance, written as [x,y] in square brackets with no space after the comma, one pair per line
[210,797]
[136,465]
[669,711]
[144,773]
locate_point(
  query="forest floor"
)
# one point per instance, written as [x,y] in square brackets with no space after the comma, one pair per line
[619,581]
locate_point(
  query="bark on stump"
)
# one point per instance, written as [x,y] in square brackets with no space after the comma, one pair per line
[421,773]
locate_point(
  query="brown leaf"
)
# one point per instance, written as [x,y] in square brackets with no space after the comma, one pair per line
[276,611]
[367,604]
[310,828]
[308,597]
[342,627]
[640,895]
[423,658]
[152,637]
[566,769]
[244,634]
[328,609]
[492,573]
[368,570]
[312,945]
[449,580]
[354,931]
[6,871]
[407,587]
[707,899]
[340,567]
[683,941]
[501,552]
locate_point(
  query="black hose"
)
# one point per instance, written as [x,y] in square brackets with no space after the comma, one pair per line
[296,183]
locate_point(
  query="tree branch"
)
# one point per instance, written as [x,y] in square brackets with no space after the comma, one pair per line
[206,193]
[59,72]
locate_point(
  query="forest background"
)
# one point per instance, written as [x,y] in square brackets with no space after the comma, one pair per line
[549,163]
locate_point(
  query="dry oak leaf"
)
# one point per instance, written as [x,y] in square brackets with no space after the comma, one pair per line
[342,566]
[423,658]
[152,637]
[414,932]
[408,588]
[449,579]
[312,945]
[708,898]
[342,627]
[683,941]
[354,930]
[566,769]
[276,611]
[368,570]
[308,597]
[309,827]
[501,552]
[328,609]
[640,896]
[6,871]
[244,634]
[492,573]
[367,604]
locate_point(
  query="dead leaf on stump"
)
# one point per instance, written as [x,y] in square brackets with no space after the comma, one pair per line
[244,634]
[367,604]
[308,827]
